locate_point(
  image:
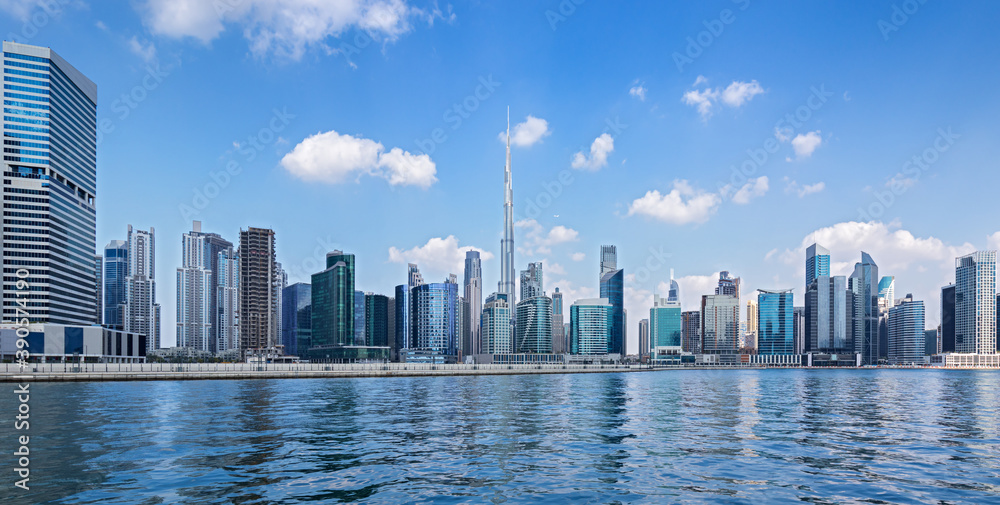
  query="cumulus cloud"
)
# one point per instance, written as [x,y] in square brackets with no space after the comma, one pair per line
[554,268]
[993,241]
[538,240]
[901,181]
[682,205]
[437,258]
[805,144]
[794,188]
[638,91]
[527,133]
[285,28]
[734,95]
[599,151]
[578,256]
[146,51]
[333,158]
[754,188]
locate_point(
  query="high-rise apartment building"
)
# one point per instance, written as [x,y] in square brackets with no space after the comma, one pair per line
[776,320]
[720,324]
[644,349]
[496,328]
[533,329]
[473,295]
[829,314]
[691,331]
[49,186]
[559,343]
[532,284]
[975,303]
[142,313]
[258,290]
[227,295]
[751,329]
[591,323]
[906,332]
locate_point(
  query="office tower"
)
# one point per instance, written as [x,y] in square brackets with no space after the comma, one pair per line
[507,243]
[434,323]
[531,281]
[886,293]
[930,342]
[195,291]
[829,316]
[391,329]
[643,338]
[296,316]
[463,315]
[799,334]
[282,282]
[333,302]
[496,330]
[817,263]
[720,324]
[50,187]
[906,332]
[948,318]
[473,283]
[404,306]
[99,309]
[258,314]
[613,290]
[533,330]
[674,295]
[975,303]
[115,272]
[226,321]
[591,322]
[864,284]
[376,320]
[665,327]
[559,344]
[609,259]
[776,319]
[691,331]
[751,330]
[141,314]
[359,318]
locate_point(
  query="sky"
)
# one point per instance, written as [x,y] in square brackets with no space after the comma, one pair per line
[696,137]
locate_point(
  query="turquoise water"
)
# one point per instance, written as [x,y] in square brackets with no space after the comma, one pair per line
[825,436]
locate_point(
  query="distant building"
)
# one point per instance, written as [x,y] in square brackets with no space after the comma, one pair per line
[296,315]
[434,322]
[99,309]
[863,283]
[560,345]
[776,317]
[751,330]
[333,302]
[115,272]
[644,348]
[495,325]
[473,284]
[948,319]
[720,324]
[533,328]
[591,326]
[258,290]
[817,263]
[532,284]
[800,329]
[975,303]
[376,320]
[691,331]
[227,289]
[930,342]
[359,318]
[609,259]
[613,290]
[197,289]
[906,332]
[142,313]
[664,328]
[829,314]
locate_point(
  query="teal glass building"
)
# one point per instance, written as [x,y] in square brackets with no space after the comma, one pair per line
[613,290]
[591,322]
[333,301]
[664,328]
[534,325]
[775,316]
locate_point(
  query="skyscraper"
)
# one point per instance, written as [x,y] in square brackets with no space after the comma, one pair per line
[674,295]
[752,320]
[906,332]
[473,283]
[333,302]
[559,344]
[613,290]
[226,321]
[495,324]
[975,303]
[609,259]
[720,324]
[404,306]
[664,328]
[534,325]
[691,331]
[817,263]
[776,317]
[591,322]
[258,297]
[864,284]
[141,314]
[886,293]
[376,320]
[99,300]
[195,291]
[644,348]
[728,285]
[829,314]
[115,272]
[532,281]
[359,318]
[948,318]
[434,323]
[507,243]
[296,315]
[50,187]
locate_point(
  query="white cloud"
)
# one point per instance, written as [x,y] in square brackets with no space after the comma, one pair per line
[901,181]
[437,258]
[754,188]
[145,51]
[793,187]
[638,91]
[578,256]
[734,95]
[23,9]
[805,144]
[527,133]
[285,28]
[334,158]
[537,240]
[554,268]
[599,151]
[699,80]
[682,205]
[993,241]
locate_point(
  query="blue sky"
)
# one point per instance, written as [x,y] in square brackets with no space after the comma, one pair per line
[326,114]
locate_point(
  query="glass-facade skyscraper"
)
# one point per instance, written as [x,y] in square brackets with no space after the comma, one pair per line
[559,343]
[50,187]
[590,322]
[975,303]
[613,290]
[434,322]
[829,314]
[664,327]
[863,283]
[333,302]
[720,324]
[376,320]
[948,318]
[532,282]
[495,324]
[775,311]
[115,271]
[296,318]
[906,332]
[817,263]
[533,329]
[473,284]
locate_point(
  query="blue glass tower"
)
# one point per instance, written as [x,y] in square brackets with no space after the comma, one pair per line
[434,320]
[613,289]
[590,322]
[296,318]
[775,312]
[817,263]
[115,272]
[864,284]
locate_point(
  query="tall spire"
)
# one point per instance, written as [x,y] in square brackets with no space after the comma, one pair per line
[507,244]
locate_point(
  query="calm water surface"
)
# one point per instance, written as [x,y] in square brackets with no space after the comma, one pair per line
[825,436]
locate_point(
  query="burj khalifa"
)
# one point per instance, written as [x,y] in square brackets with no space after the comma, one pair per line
[507,243]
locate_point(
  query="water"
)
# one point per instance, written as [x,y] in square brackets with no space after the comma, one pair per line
[825,436]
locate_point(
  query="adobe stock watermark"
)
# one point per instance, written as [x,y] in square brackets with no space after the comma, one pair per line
[553,189]
[759,156]
[704,39]
[38,20]
[562,12]
[22,418]
[899,17]
[911,172]
[459,111]
[203,195]
[654,262]
[309,265]
[126,103]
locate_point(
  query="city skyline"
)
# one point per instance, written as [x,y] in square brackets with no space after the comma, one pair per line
[914,242]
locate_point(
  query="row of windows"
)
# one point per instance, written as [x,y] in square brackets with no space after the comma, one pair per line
[18,143]
[36,231]
[25,214]
[24,191]
[26,129]
[18,119]
[25,160]
[20,112]
[26,73]
[12,63]
[25,105]
[25,239]
[25,57]
[24,254]
[25,97]
[25,199]
[14,87]
[24,151]
[20,80]
[40,208]
[43,138]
